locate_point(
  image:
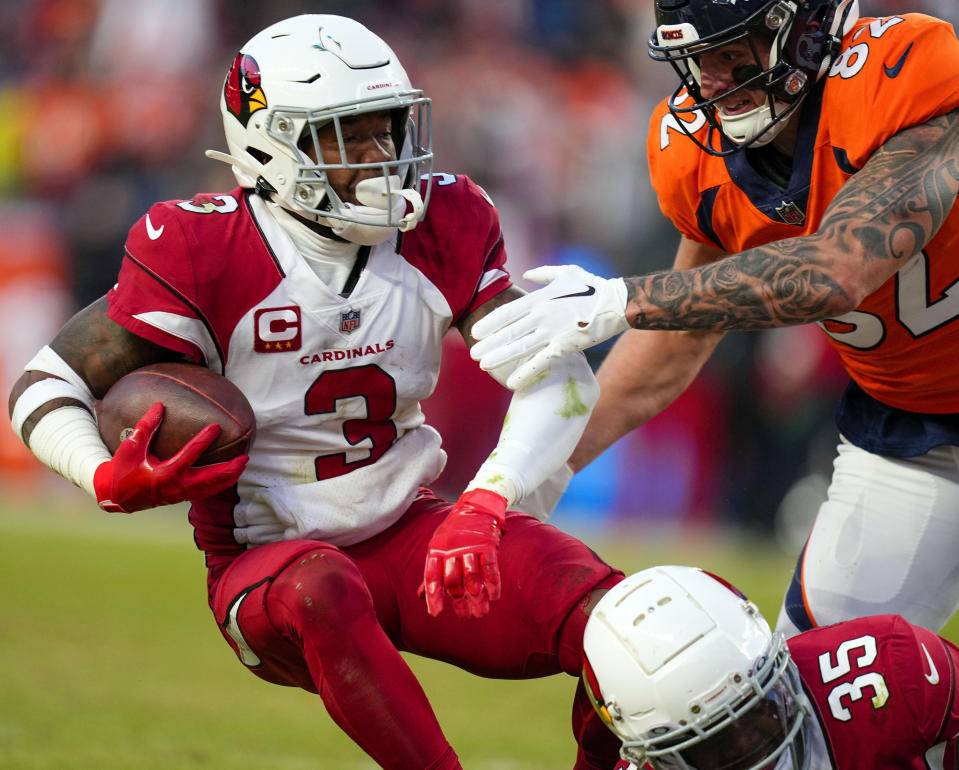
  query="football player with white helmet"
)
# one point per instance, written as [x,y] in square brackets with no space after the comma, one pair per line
[685,671]
[322,286]
[277,145]
[809,159]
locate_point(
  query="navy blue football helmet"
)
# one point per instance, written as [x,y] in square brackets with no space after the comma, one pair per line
[804,35]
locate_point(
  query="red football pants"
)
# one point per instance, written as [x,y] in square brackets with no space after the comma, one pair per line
[332,621]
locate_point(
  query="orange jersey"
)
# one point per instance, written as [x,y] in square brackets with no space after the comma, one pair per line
[900,345]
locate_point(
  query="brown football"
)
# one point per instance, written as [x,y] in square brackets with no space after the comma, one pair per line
[192,396]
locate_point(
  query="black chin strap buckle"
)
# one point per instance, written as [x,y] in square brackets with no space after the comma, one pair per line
[263,188]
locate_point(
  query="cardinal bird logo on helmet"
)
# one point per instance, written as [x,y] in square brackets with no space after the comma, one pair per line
[243,91]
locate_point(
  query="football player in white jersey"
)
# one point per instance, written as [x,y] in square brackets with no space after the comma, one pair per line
[322,286]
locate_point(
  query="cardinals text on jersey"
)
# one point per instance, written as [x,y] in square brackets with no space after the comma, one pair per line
[335,381]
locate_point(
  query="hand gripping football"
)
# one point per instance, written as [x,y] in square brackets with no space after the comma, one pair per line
[192,396]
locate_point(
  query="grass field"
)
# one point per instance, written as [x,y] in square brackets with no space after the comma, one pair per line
[110,660]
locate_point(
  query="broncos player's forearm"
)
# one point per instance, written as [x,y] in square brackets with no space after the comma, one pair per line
[881,217]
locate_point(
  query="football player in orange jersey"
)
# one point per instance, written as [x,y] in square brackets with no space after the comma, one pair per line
[810,160]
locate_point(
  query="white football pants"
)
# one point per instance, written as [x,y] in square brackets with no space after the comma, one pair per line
[885,541]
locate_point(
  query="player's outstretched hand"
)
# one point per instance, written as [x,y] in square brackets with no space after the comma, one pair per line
[575,311]
[461,559]
[135,480]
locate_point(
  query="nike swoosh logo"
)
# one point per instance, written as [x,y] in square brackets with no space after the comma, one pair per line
[933,676]
[154,232]
[896,68]
[590,291]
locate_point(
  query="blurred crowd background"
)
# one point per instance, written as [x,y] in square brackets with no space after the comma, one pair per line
[106,106]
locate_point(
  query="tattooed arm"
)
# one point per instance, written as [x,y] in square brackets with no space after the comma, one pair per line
[52,404]
[99,350]
[881,217]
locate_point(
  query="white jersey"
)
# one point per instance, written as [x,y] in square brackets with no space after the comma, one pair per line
[335,378]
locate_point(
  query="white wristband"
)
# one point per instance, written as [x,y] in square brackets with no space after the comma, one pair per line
[48,360]
[39,393]
[67,441]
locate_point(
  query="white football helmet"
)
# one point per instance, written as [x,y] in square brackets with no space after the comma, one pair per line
[685,670]
[303,73]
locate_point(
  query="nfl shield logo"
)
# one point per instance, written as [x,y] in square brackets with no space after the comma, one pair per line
[791,214]
[350,321]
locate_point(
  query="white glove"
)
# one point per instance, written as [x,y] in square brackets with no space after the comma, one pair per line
[575,311]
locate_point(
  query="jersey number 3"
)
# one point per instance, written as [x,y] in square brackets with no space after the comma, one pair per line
[370,394]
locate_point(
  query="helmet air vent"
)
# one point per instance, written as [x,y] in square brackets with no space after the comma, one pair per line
[261,157]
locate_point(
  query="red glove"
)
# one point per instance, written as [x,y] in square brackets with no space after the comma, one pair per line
[461,557]
[135,480]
